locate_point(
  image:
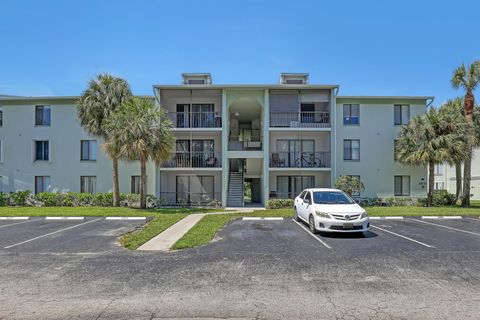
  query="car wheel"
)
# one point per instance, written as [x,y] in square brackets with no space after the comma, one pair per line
[311,224]
[295,215]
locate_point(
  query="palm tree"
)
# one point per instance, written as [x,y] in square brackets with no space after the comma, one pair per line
[140,131]
[429,139]
[103,95]
[468,78]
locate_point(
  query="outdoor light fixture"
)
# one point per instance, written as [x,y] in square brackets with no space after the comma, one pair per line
[237,114]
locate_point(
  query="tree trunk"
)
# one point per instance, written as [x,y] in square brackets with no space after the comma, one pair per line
[469,103]
[116,191]
[143,183]
[458,178]
[431,183]
[467,176]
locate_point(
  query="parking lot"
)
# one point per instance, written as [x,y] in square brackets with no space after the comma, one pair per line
[257,268]
[64,235]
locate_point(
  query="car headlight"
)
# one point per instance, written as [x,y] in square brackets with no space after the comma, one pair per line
[323,215]
[364,215]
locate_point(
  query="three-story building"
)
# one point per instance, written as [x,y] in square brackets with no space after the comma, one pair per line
[234,144]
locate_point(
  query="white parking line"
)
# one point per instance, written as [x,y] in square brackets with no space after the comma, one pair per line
[64,218]
[317,238]
[386,218]
[442,217]
[14,218]
[446,227]
[49,234]
[17,223]
[407,238]
[251,218]
[273,218]
[125,218]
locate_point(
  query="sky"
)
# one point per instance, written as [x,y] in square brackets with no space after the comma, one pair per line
[368,47]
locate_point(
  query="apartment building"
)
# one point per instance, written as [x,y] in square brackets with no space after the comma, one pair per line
[445,177]
[234,144]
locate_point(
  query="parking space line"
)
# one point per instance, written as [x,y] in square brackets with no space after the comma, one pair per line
[251,218]
[446,227]
[273,218]
[407,238]
[442,217]
[386,218]
[125,218]
[17,223]
[14,218]
[64,218]
[51,233]
[317,238]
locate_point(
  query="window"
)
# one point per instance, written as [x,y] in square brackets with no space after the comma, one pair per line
[195,189]
[401,114]
[438,169]
[308,197]
[42,150]
[439,185]
[135,184]
[87,184]
[351,149]
[351,114]
[1,117]
[88,150]
[291,186]
[42,184]
[401,185]
[42,115]
[356,194]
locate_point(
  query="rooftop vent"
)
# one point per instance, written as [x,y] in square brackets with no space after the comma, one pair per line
[294,78]
[196,78]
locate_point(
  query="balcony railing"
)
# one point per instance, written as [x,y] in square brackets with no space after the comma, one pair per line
[245,139]
[195,119]
[199,159]
[300,160]
[204,199]
[300,119]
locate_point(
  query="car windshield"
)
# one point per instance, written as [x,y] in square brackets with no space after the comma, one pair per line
[331,197]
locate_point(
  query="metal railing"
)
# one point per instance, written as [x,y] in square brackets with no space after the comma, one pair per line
[204,199]
[300,119]
[245,139]
[200,159]
[300,159]
[195,119]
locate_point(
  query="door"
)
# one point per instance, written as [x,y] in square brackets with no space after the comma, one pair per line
[202,150]
[307,113]
[182,153]
[183,115]
[202,115]
[306,206]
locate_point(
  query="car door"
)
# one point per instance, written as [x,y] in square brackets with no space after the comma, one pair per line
[307,202]
[299,202]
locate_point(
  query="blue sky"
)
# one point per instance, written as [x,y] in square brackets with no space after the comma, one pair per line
[368,47]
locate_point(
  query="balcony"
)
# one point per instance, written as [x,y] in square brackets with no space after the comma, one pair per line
[300,160]
[300,119]
[199,159]
[195,119]
[246,140]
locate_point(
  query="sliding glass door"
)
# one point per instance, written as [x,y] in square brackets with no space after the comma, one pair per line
[295,153]
[195,189]
[290,186]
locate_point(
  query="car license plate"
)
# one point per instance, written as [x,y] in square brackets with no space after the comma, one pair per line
[348,226]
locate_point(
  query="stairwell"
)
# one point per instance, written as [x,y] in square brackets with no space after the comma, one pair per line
[235,189]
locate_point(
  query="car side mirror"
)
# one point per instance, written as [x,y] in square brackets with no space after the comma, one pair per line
[306,201]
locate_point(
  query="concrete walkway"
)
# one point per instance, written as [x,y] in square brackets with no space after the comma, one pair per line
[165,240]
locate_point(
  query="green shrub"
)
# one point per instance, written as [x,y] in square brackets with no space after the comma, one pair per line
[280,203]
[4,199]
[47,199]
[83,200]
[443,198]
[19,198]
[103,199]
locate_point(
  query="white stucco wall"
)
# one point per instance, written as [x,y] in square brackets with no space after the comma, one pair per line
[18,168]
[377,133]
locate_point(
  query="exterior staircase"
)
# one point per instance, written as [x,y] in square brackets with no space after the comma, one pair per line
[235,189]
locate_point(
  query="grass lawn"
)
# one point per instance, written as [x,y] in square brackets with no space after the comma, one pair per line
[206,229]
[95,211]
[135,239]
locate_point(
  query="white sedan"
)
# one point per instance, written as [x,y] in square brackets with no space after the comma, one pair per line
[330,210]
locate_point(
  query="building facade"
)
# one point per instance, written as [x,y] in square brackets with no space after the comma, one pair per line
[445,177]
[234,144]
